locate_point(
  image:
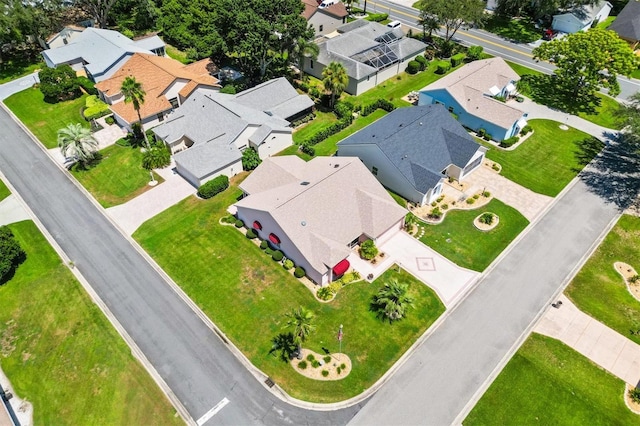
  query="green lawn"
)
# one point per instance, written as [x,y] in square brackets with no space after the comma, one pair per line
[13,68]
[604,113]
[62,354]
[600,291]
[117,177]
[322,121]
[605,24]
[457,239]
[520,30]
[218,267]
[548,383]
[4,191]
[547,161]
[44,119]
[177,54]
[522,70]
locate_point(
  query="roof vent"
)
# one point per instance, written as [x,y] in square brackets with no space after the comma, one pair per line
[303,223]
[304,183]
[400,125]
[335,166]
[421,123]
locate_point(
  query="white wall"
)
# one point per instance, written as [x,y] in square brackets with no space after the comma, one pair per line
[173,90]
[229,170]
[147,123]
[274,143]
[329,23]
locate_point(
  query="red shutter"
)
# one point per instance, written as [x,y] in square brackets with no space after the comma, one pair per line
[274,239]
[257,225]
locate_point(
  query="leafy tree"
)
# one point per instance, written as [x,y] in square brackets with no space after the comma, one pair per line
[588,61]
[137,15]
[428,22]
[156,158]
[99,9]
[250,159]
[59,84]
[392,301]
[285,344]
[335,80]
[300,321]
[452,14]
[474,52]
[134,93]
[78,143]
[368,250]
[511,8]
[11,254]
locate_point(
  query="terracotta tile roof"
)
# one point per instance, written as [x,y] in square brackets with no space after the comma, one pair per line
[156,74]
[337,10]
[310,7]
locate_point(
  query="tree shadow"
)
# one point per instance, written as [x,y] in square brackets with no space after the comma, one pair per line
[588,149]
[87,165]
[285,344]
[615,174]
[547,90]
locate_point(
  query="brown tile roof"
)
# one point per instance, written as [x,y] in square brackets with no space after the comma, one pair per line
[156,74]
[310,7]
[337,10]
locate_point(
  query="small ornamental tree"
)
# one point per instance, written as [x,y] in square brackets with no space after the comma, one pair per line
[392,301]
[368,250]
[250,159]
[474,53]
[11,254]
[59,84]
[156,158]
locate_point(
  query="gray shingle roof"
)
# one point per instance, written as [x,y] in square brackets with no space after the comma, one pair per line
[627,23]
[277,97]
[421,142]
[321,230]
[149,43]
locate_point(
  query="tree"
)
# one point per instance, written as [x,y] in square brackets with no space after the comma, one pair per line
[134,93]
[392,301]
[349,4]
[368,250]
[99,9]
[429,24]
[11,254]
[156,157]
[78,143]
[304,49]
[335,80]
[250,159]
[300,321]
[59,84]
[452,14]
[588,61]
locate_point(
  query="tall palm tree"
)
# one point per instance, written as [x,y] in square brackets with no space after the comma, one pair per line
[304,49]
[78,143]
[134,93]
[335,80]
[392,301]
[300,321]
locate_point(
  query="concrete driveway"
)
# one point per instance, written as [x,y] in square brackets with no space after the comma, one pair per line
[18,85]
[446,278]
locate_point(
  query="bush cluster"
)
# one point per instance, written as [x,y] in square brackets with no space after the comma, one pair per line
[343,109]
[94,108]
[422,61]
[307,118]
[509,142]
[251,234]
[250,159]
[368,250]
[526,129]
[299,272]
[309,150]
[88,85]
[474,53]
[11,254]
[457,59]
[324,293]
[213,187]
[413,67]
[435,213]
[277,255]
[59,84]
[382,104]
[486,218]
[442,67]
[377,17]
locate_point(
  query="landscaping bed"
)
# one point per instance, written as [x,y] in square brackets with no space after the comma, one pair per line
[60,352]
[548,383]
[247,294]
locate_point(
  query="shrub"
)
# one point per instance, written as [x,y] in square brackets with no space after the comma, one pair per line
[422,61]
[474,53]
[471,200]
[307,149]
[487,137]
[343,109]
[378,104]
[445,206]
[476,196]
[634,394]
[302,365]
[213,187]
[435,213]
[315,363]
[229,89]
[311,358]
[442,67]
[264,244]
[110,120]
[156,158]
[251,234]
[634,279]
[486,218]
[88,85]
[486,194]
[434,203]
[343,366]
[277,255]
[509,142]
[250,159]
[95,108]
[495,167]
[299,272]
[239,223]
[440,198]
[457,59]
[11,254]
[335,286]
[327,359]
[314,92]
[339,370]
[324,293]
[526,129]
[350,277]
[268,251]
[413,67]
[377,17]
[287,264]
[325,373]
[368,250]
[59,84]
[481,132]
[228,219]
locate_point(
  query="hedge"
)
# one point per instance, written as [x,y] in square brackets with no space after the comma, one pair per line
[413,67]
[442,67]
[88,85]
[509,142]
[526,129]
[95,108]
[309,150]
[379,104]
[299,272]
[277,255]
[213,187]
[457,59]
[377,17]
[422,61]
[323,134]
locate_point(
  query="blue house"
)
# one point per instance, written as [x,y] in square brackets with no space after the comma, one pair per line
[475,93]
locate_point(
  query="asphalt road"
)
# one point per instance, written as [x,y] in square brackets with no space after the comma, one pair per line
[519,53]
[191,359]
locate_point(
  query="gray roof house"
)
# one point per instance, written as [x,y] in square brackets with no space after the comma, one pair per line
[627,23]
[209,131]
[582,17]
[316,211]
[370,52]
[100,53]
[413,150]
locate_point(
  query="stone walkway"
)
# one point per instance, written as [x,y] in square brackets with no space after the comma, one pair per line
[530,204]
[11,210]
[602,345]
[130,215]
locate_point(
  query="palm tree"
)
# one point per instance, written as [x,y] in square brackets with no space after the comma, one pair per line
[305,49]
[134,93]
[392,301]
[285,343]
[301,323]
[335,80]
[78,143]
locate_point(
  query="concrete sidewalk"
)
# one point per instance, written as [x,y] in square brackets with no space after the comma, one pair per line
[602,345]
[11,211]
[18,85]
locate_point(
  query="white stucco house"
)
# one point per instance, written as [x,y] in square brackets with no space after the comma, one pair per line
[413,150]
[209,131]
[324,20]
[315,212]
[370,52]
[581,18]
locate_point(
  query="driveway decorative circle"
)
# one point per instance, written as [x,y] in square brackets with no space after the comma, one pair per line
[322,367]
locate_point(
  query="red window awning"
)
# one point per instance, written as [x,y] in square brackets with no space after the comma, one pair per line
[341,267]
[274,238]
[257,225]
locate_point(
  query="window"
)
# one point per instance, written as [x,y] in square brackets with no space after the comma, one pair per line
[161,117]
[174,103]
[450,109]
[374,170]
[320,29]
[311,63]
